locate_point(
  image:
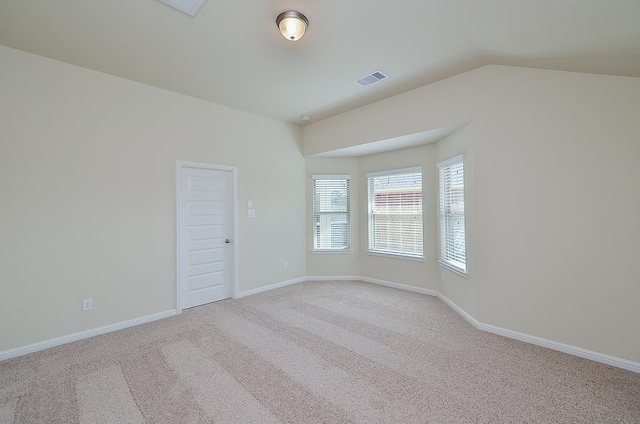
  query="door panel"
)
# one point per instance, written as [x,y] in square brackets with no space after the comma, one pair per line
[205,223]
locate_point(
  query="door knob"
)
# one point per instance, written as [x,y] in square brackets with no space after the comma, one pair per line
[227,241]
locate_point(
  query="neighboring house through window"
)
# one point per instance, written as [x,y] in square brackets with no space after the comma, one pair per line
[395,212]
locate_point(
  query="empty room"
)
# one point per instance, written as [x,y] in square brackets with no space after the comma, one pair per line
[217,211]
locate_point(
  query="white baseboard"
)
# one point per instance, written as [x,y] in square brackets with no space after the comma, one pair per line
[464,314]
[404,287]
[35,347]
[539,341]
[333,278]
[269,287]
[561,347]
[572,350]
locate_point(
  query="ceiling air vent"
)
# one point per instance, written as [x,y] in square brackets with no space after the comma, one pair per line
[190,7]
[372,78]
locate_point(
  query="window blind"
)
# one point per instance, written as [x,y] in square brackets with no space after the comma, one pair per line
[452,225]
[331,212]
[395,212]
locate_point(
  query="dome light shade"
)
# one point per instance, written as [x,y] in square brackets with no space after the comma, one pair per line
[292,24]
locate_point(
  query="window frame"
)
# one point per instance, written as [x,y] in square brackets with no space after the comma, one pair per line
[373,251]
[324,250]
[445,249]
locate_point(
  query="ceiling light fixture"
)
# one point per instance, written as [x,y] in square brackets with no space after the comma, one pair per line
[292,24]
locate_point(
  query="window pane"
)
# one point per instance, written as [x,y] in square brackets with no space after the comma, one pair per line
[452,225]
[395,213]
[331,214]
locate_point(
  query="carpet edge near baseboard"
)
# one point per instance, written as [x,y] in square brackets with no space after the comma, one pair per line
[57,341]
[527,338]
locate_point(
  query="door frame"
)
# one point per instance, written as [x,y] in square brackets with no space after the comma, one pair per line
[180,165]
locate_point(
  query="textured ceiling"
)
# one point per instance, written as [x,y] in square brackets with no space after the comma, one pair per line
[232,53]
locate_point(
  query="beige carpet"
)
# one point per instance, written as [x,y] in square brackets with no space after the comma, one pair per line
[318,352]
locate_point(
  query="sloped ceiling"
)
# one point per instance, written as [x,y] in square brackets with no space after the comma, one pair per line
[232,53]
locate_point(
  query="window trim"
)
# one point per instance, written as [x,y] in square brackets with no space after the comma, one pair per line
[343,251]
[405,257]
[449,265]
[346,251]
[394,255]
[410,170]
[453,269]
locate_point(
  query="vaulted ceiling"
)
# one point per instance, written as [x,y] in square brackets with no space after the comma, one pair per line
[232,53]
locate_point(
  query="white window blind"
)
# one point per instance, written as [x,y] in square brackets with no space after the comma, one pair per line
[452,228]
[395,212]
[331,212]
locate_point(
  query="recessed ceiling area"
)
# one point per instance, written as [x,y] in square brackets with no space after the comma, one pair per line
[395,143]
[190,7]
[232,52]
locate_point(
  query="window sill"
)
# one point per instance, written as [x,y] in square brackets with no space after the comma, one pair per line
[454,269]
[332,252]
[395,256]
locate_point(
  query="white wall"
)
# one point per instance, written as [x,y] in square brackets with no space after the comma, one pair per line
[87,168]
[552,169]
[555,195]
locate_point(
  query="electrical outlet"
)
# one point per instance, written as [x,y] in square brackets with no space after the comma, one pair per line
[285,265]
[87,305]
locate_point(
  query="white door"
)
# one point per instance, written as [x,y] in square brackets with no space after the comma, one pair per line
[205,235]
